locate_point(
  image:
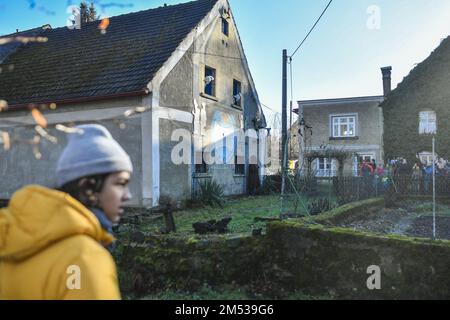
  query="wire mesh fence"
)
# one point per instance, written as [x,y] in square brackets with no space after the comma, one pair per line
[342,190]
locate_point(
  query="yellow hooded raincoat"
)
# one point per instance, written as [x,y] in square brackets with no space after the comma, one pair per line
[51,247]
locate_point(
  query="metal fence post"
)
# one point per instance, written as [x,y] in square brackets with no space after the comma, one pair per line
[376,186]
[357,186]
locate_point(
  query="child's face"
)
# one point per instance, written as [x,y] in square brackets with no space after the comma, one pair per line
[114,194]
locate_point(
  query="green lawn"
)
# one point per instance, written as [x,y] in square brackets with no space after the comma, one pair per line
[242,210]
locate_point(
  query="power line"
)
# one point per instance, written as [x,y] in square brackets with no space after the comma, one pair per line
[315,24]
[292,93]
[269,108]
[292,81]
[211,54]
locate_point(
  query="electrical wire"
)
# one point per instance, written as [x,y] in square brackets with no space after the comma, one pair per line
[265,106]
[292,81]
[315,24]
[211,54]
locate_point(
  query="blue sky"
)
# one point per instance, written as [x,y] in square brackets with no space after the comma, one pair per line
[342,57]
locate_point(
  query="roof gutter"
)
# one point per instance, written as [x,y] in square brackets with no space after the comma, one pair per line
[142,92]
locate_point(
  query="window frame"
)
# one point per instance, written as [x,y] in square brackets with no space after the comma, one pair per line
[203,168]
[362,156]
[340,117]
[225,27]
[428,156]
[239,168]
[213,83]
[326,172]
[239,84]
[426,124]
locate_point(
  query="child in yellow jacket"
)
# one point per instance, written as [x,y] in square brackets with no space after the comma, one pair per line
[53,242]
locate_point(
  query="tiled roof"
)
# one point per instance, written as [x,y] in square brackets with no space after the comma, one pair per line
[77,64]
[9,48]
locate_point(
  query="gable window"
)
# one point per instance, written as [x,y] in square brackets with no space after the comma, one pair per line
[225,27]
[427,122]
[343,126]
[210,81]
[237,93]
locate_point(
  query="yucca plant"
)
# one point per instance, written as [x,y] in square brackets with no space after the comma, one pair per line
[211,194]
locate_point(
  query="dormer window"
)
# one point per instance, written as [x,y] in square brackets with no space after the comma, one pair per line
[427,122]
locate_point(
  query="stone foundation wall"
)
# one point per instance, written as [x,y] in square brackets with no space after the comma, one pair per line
[294,256]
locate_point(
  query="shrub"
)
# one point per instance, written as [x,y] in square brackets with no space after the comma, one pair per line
[211,194]
[307,185]
[319,206]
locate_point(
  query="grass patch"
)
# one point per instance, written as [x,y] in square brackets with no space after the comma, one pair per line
[226,293]
[205,293]
[243,211]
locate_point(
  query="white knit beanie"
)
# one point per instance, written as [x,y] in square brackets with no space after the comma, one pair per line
[91,151]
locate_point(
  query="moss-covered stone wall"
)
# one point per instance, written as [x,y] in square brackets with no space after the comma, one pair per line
[158,263]
[335,261]
[294,256]
[351,210]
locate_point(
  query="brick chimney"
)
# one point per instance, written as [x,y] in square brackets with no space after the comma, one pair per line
[387,86]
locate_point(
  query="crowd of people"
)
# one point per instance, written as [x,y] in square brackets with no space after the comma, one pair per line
[377,177]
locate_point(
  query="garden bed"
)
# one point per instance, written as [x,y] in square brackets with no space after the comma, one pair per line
[411,218]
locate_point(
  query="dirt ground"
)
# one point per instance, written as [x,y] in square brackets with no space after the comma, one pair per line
[410,218]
